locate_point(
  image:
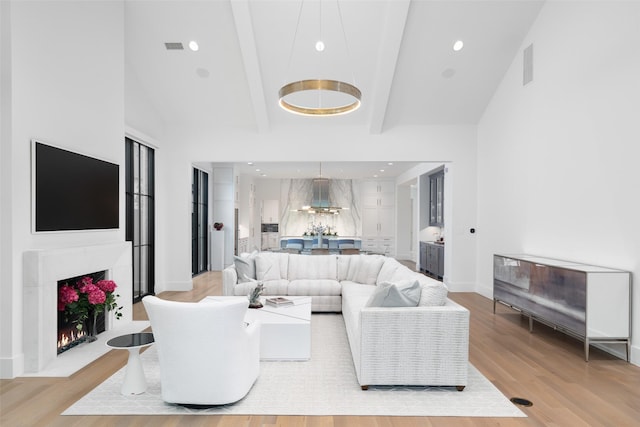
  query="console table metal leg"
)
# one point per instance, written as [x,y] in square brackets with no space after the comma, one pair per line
[628,350]
[530,323]
[586,349]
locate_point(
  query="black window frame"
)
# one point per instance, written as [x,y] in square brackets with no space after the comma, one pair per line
[142,240]
[199,222]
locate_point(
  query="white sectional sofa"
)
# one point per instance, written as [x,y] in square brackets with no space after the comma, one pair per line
[426,343]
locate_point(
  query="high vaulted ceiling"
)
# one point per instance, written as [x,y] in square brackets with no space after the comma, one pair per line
[398,52]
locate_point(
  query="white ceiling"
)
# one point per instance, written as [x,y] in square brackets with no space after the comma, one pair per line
[398,52]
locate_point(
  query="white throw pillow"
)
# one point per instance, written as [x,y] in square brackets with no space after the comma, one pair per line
[365,268]
[433,295]
[246,266]
[267,266]
[387,270]
[402,294]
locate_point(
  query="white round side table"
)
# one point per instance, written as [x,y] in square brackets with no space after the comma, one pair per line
[134,379]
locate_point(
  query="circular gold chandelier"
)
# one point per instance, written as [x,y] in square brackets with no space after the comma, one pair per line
[320,84]
[329,87]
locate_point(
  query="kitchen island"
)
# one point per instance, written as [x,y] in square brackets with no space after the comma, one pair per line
[333,243]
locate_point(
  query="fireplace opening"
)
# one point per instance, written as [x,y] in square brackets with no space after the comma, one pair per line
[69,335]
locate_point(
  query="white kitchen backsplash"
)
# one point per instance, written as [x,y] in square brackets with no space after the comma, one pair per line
[296,193]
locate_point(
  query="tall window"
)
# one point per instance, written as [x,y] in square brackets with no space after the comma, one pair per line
[140,209]
[199,222]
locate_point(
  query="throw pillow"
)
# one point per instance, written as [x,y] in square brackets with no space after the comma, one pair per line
[268,266]
[365,268]
[402,294]
[433,295]
[246,268]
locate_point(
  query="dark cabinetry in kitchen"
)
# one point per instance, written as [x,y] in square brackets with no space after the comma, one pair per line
[432,259]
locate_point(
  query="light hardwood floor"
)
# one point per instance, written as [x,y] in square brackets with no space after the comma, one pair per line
[545,367]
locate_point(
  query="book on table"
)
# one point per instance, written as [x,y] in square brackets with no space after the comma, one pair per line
[279,301]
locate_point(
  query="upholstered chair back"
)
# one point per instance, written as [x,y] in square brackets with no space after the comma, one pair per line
[208,355]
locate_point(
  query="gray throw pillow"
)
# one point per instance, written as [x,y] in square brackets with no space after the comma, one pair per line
[246,268]
[402,294]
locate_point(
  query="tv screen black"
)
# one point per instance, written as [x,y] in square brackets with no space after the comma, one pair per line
[73,191]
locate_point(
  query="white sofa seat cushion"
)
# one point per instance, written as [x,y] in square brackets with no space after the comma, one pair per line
[320,287]
[312,267]
[271,287]
[354,297]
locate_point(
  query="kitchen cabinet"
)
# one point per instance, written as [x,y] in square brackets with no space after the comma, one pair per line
[378,201]
[423,256]
[588,302]
[436,199]
[270,241]
[270,211]
[432,259]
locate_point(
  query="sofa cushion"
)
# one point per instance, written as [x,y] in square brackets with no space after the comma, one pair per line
[245,267]
[343,266]
[433,295]
[271,266]
[401,294]
[387,270]
[365,268]
[312,267]
[403,273]
[271,287]
[314,287]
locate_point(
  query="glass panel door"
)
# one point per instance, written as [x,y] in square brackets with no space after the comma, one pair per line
[140,215]
[199,222]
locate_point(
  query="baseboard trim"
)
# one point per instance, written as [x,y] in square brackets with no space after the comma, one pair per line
[175,286]
[11,367]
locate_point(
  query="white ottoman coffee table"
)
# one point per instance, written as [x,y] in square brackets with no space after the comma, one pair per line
[285,331]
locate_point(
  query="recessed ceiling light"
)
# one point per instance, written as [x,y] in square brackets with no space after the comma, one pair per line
[458,45]
[381,170]
[250,163]
[257,170]
[390,163]
[193,45]
[375,176]
[319,45]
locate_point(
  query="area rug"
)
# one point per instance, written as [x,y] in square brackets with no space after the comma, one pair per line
[324,385]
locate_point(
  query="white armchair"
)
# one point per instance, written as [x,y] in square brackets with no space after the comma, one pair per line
[208,355]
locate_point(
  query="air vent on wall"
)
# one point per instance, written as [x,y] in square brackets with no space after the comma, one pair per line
[174,46]
[527,62]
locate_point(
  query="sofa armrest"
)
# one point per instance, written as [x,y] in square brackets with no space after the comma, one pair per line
[229,280]
[414,345]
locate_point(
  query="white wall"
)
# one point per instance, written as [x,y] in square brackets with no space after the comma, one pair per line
[67,88]
[558,159]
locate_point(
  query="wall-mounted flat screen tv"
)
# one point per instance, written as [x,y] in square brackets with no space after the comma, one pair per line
[72,191]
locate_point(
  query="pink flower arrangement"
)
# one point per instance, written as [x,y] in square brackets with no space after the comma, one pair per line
[87,298]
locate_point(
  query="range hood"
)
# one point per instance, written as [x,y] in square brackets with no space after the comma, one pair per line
[320,202]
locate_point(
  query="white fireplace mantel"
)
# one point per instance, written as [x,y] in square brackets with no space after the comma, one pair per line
[42,271]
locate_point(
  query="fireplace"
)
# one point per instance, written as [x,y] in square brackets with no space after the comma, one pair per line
[68,334]
[42,271]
